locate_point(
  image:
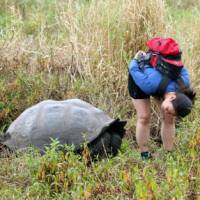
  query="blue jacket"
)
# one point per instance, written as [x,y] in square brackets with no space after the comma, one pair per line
[148,78]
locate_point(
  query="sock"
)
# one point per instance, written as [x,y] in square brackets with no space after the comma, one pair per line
[145,155]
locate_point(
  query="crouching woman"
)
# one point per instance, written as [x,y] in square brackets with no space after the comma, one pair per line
[175,99]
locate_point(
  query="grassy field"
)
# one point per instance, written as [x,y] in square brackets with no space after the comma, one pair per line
[61,49]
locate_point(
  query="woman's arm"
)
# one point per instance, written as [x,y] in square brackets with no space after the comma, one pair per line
[174,86]
[185,76]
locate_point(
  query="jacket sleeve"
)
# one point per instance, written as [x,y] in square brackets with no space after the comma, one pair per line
[185,76]
[144,81]
[173,86]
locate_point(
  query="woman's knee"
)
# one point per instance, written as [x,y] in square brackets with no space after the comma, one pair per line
[143,118]
[168,119]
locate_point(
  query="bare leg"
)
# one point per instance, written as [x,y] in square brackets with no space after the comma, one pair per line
[168,131]
[142,107]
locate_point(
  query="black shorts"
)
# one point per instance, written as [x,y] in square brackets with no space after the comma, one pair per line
[134,91]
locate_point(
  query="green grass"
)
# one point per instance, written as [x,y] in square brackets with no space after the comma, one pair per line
[68,176]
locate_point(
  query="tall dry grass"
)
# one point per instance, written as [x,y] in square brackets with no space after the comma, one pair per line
[92,39]
[183,4]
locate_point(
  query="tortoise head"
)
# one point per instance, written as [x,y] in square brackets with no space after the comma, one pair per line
[117,131]
[117,127]
[109,141]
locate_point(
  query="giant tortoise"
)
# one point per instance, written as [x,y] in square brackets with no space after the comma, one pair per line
[72,121]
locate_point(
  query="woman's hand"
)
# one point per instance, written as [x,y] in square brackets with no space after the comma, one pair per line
[139,55]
